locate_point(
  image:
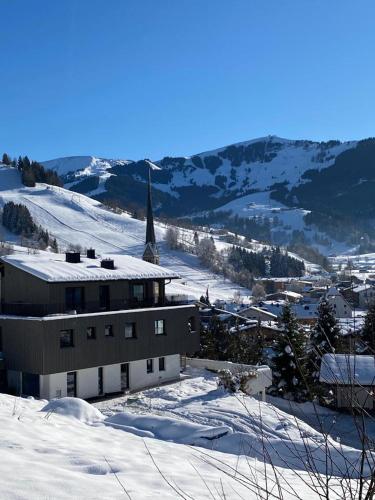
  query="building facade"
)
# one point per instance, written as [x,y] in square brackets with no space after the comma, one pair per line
[90,327]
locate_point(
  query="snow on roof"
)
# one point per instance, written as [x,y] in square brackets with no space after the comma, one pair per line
[53,268]
[362,288]
[347,369]
[333,292]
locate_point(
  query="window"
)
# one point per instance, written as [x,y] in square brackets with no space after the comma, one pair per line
[108,330]
[130,330]
[150,365]
[104,297]
[139,292]
[191,324]
[74,298]
[71,384]
[159,327]
[161,364]
[156,287]
[66,338]
[91,332]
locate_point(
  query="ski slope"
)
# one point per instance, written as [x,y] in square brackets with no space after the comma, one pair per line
[76,219]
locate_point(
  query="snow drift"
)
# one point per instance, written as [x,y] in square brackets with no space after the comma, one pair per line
[74,408]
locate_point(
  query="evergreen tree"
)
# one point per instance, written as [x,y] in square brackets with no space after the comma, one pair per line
[243,348]
[54,246]
[289,361]
[215,340]
[324,338]
[368,330]
[6,159]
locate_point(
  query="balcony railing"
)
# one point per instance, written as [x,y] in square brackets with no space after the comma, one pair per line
[29,309]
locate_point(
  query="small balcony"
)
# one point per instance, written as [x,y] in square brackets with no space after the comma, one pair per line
[39,310]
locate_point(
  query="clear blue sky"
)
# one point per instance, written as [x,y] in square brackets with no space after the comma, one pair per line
[148,78]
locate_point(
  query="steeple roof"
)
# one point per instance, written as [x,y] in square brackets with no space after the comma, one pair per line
[150,230]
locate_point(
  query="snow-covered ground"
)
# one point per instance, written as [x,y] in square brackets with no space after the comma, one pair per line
[77,219]
[186,440]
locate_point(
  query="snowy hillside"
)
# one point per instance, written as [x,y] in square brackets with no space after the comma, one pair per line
[77,219]
[186,440]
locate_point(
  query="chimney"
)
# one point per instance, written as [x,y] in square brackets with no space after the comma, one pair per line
[72,257]
[107,263]
[90,254]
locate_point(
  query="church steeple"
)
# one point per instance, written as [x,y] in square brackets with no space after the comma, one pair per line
[151,253]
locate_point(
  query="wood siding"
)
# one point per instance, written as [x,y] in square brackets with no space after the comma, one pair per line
[33,345]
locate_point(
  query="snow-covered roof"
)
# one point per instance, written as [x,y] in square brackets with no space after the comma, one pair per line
[333,292]
[53,268]
[362,288]
[347,369]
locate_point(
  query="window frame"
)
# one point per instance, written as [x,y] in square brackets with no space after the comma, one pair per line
[91,337]
[157,329]
[162,369]
[134,330]
[149,366]
[69,331]
[136,297]
[110,329]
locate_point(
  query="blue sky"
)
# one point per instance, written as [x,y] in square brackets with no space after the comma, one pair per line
[149,78]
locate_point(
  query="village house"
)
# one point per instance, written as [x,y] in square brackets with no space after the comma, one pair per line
[350,379]
[361,296]
[341,307]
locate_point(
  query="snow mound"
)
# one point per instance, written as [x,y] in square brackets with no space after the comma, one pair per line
[168,429]
[75,408]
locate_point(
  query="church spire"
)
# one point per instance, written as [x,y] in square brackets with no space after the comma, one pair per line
[150,231]
[151,253]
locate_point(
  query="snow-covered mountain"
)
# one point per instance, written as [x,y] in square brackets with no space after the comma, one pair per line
[266,177]
[221,175]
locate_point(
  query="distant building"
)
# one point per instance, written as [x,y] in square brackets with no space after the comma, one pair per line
[350,378]
[362,296]
[341,307]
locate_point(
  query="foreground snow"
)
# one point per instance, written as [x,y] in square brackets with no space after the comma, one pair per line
[144,446]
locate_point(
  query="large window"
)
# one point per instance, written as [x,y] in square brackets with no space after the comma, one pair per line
[108,330]
[74,298]
[91,332]
[150,365]
[130,331]
[139,292]
[66,338]
[161,364]
[104,297]
[159,327]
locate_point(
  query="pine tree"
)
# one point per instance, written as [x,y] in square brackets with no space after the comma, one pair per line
[368,330]
[54,246]
[215,340]
[6,159]
[289,361]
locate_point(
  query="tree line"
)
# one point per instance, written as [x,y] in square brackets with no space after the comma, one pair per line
[32,171]
[17,219]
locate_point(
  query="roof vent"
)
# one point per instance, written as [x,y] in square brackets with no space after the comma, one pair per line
[73,257]
[90,254]
[107,263]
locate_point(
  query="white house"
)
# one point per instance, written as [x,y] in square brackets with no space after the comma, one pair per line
[340,305]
